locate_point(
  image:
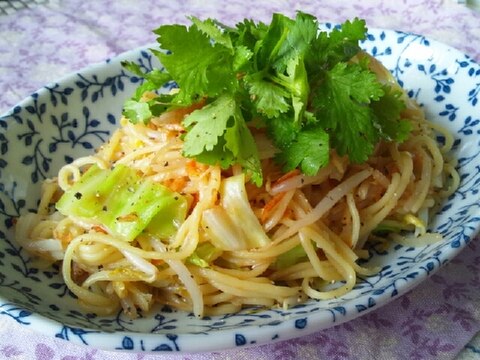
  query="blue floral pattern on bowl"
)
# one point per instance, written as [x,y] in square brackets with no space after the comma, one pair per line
[71,117]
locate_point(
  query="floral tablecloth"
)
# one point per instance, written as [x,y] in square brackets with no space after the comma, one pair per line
[42,40]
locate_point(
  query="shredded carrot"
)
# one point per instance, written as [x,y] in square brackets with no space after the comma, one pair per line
[195,169]
[99,229]
[177,184]
[270,205]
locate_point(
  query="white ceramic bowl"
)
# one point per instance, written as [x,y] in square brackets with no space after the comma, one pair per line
[71,117]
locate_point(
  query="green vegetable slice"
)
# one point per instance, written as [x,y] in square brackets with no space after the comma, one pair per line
[124,202]
[204,255]
[291,257]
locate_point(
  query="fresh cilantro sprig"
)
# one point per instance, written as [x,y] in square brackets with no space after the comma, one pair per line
[306,87]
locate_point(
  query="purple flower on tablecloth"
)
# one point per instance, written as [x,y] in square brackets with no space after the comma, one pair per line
[476,262]
[458,315]
[333,346]
[428,344]
[10,351]
[87,356]
[458,291]
[430,348]
[475,271]
[43,352]
[411,329]
[377,321]
[404,302]
[347,327]
[284,350]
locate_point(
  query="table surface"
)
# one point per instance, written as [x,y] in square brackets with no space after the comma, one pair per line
[42,40]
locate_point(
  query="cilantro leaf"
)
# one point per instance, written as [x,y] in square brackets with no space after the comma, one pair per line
[295,80]
[153,80]
[218,155]
[210,28]
[268,46]
[388,110]
[341,44]
[310,151]
[301,33]
[342,107]
[142,111]
[218,134]
[269,99]
[241,58]
[200,68]
[239,140]
[248,34]
[286,39]
[282,130]
[207,124]
[137,111]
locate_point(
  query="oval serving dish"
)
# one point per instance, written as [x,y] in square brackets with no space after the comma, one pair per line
[73,116]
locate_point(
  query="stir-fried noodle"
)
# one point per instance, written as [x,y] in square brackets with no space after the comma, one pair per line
[308,231]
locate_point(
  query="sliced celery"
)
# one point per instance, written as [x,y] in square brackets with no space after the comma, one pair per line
[124,202]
